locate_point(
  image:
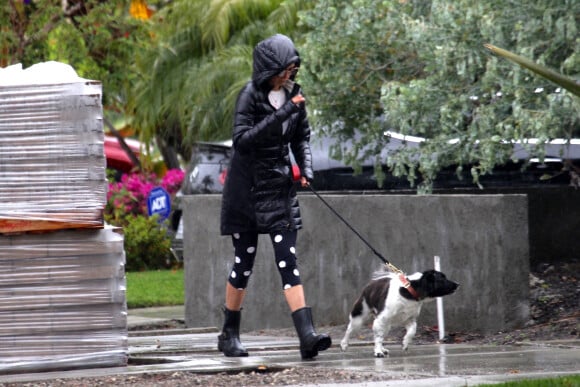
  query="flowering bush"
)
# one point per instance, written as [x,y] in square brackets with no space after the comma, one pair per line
[128,198]
[147,245]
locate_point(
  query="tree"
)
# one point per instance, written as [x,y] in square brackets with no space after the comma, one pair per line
[24,29]
[420,68]
[201,57]
[97,38]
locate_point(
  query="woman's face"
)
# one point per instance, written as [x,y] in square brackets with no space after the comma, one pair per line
[280,79]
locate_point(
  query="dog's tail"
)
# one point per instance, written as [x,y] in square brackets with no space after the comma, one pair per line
[380,274]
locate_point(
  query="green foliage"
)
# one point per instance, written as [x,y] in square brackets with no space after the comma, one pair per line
[101,45]
[344,68]
[97,38]
[563,381]
[155,288]
[419,68]
[343,64]
[146,244]
[24,29]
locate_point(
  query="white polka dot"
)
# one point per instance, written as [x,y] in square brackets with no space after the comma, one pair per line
[241,289]
[234,275]
[278,238]
[238,260]
[247,273]
[296,272]
[287,286]
[292,250]
[237,236]
[251,249]
[282,264]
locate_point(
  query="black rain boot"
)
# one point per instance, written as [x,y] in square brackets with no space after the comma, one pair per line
[310,341]
[229,340]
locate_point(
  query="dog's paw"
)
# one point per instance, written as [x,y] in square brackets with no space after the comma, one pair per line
[343,346]
[405,347]
[381,352]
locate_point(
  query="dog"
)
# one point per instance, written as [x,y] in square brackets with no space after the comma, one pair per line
[396,300]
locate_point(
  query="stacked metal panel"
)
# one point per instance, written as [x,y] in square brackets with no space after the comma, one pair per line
[62,301]
[52,163]
[62,278]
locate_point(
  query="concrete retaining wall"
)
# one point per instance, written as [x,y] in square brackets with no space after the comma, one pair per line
[553,221]
[482,241]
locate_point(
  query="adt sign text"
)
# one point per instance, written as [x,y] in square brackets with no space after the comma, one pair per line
[159,203]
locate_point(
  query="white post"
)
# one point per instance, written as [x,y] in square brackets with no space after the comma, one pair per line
[440,318]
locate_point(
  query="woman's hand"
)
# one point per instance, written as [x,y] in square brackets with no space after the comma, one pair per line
[298,99]
[304,182]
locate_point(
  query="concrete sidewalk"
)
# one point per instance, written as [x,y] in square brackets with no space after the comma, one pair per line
[156,315]
[424,365]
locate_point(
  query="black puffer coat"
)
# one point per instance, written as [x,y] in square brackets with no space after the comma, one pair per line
[259,193]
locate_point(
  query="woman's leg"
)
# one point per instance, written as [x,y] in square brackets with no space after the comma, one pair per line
[284,248]
[295,297]
[285,253]
[245,253]
[234,297]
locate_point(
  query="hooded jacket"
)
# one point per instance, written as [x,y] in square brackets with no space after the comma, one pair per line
[259,193]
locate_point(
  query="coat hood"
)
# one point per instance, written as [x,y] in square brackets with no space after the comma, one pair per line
[271,56]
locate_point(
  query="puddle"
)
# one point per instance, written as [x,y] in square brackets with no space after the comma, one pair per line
[152,360]
[203,365]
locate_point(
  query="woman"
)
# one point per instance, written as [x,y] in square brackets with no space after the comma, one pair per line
[259,195]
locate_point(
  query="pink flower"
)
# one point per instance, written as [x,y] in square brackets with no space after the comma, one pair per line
[129,196]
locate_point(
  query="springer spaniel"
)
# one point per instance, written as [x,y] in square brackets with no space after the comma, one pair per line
[396,300]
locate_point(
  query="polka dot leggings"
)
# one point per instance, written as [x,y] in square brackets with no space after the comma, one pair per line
[245,245]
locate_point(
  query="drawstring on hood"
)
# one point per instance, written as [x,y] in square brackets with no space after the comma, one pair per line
[272,56]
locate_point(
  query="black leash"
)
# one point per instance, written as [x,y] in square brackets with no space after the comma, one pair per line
[385,261]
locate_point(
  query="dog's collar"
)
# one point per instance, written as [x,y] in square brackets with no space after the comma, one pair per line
[407,285]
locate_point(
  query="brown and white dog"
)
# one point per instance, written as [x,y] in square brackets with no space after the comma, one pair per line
[396,300]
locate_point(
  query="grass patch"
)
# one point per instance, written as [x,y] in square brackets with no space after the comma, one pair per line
[564,381]
[155,288]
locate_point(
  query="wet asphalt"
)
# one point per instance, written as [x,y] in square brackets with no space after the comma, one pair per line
[423,365]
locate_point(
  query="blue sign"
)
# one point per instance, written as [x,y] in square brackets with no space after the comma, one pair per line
[159,203]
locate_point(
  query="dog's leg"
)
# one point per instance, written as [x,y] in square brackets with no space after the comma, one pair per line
[411,329]
[358,316]
[354,325]
[381,327]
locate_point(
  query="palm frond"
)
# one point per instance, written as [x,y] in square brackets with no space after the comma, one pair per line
[567,83]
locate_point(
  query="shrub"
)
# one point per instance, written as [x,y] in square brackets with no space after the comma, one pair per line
[147,243]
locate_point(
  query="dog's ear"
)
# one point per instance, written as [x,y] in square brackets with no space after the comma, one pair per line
[433,274]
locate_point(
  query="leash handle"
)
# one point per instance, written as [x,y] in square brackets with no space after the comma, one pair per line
[385,261]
